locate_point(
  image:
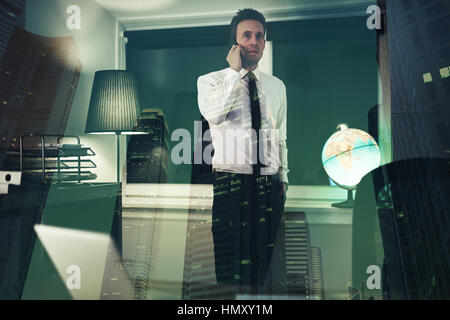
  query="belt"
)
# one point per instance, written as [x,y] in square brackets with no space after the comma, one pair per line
[260,177]
[257,169]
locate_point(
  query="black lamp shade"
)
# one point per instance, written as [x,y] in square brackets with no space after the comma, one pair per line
[114,104]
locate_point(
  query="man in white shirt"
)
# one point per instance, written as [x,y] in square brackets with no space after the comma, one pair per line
[246,112]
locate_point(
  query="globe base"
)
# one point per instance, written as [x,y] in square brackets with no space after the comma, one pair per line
[344,204]
[349,203]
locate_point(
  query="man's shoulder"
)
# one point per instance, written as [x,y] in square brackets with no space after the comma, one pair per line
[215,74]
[273,79]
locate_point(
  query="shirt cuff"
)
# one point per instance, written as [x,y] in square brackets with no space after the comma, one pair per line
[282,175]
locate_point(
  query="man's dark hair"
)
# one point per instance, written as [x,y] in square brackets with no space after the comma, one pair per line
[245,14]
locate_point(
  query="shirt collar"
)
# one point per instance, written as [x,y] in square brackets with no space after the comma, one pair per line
[256,72]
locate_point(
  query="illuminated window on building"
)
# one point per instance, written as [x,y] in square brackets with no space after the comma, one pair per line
[445,72]
[427,77]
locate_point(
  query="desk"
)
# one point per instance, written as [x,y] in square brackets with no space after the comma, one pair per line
[83,206]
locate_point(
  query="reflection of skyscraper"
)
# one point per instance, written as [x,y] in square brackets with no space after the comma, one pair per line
[147,159]
[20,209]
[414,57]
[413,211]
[147,154]
[199,278]
[303,262]
[140,234]
[12,14]
[116,283]
[412,192]
[318,289]
[38,78]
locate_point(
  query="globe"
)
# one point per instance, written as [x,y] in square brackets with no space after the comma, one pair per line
[348,155]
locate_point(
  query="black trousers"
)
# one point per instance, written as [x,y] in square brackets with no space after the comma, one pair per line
[248,233]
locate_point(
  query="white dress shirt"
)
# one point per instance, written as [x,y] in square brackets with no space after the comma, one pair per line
[223,99]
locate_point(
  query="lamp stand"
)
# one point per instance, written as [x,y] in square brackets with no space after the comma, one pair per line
[118,156]
[349,203]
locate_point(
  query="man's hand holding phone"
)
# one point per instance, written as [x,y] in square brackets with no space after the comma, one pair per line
[234,57]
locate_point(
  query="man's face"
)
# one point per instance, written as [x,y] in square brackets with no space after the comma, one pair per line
[250,35]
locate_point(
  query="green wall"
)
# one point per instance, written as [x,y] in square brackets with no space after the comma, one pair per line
[329,67]
[330,71]
[168,80]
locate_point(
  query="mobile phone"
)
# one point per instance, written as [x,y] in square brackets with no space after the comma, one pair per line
[235,42]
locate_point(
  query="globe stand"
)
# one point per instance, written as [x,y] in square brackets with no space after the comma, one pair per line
[349,203]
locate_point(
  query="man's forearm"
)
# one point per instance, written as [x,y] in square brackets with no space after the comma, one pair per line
[283,170]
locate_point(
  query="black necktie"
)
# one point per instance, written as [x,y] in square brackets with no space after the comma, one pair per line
[256,116]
